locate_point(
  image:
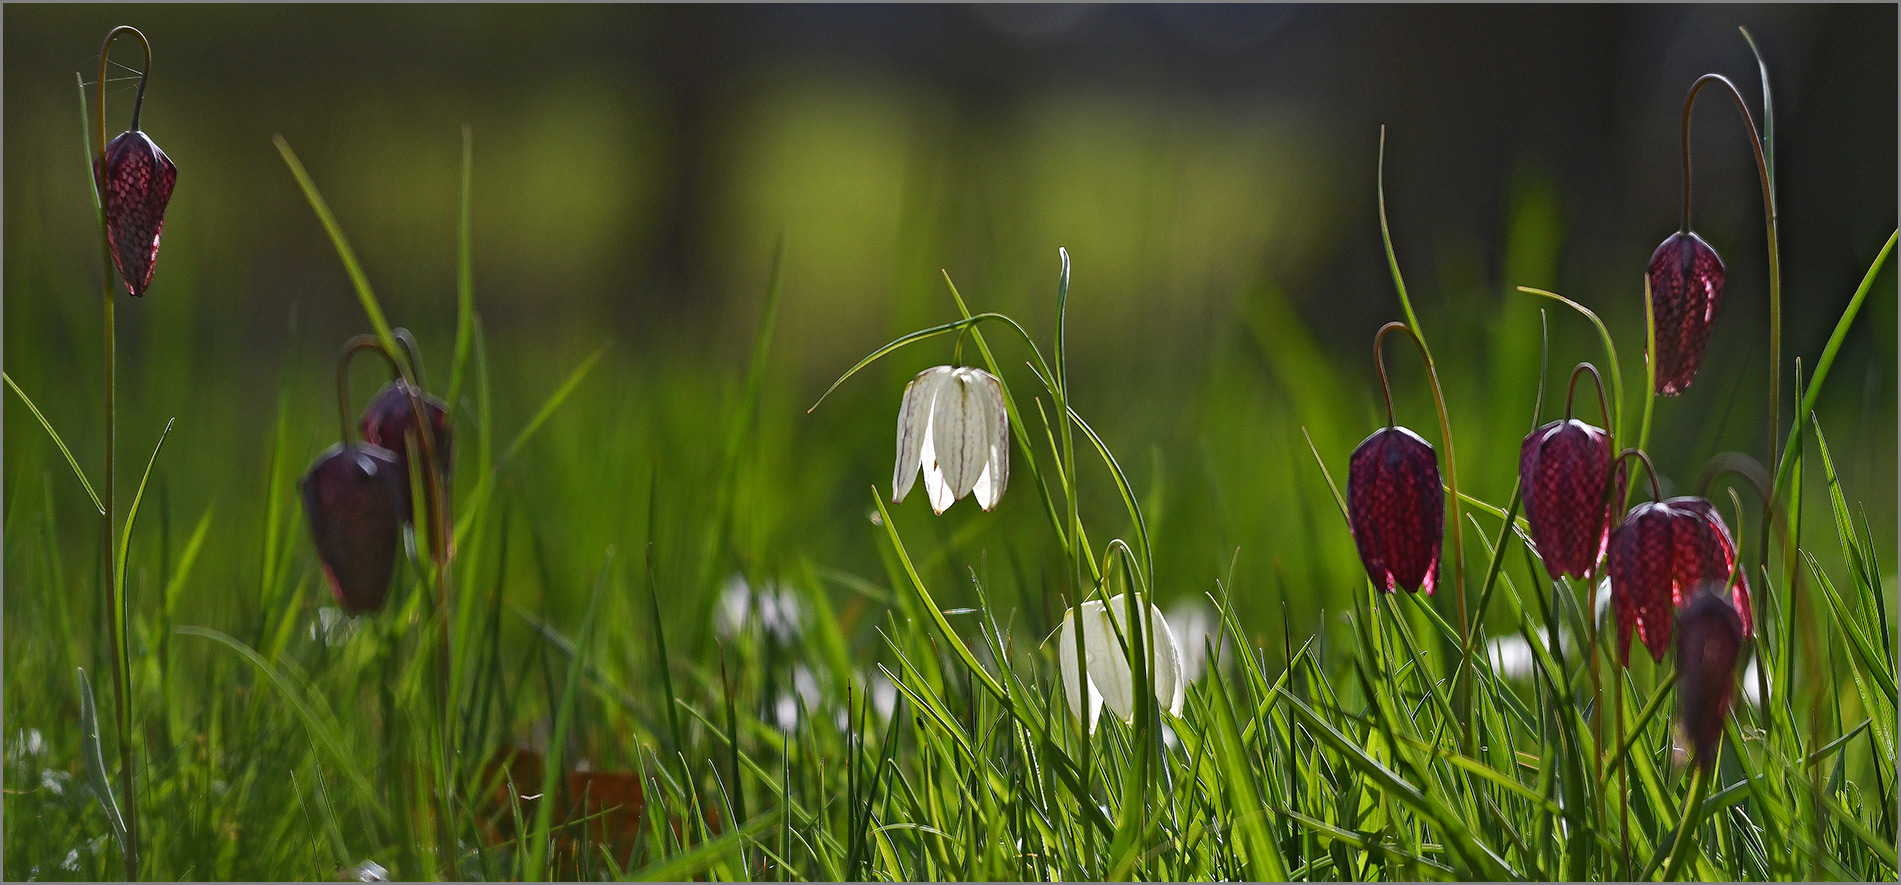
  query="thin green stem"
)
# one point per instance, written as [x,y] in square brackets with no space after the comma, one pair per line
[115,596]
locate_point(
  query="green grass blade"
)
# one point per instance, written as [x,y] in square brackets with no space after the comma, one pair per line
[371,307]
[464,273]
[487,485]
[70,460]
[96,766]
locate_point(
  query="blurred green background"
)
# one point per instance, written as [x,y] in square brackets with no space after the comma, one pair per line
[1210,169]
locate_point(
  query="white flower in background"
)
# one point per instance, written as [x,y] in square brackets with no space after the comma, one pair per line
[805,687]
[953,426]
[776,607]
[1196,628]
[332,626]
[1109,679]
[1511,656]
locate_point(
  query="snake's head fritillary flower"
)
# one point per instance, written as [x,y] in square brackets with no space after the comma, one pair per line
[1104,675]
[135,181]
[1686,286]
[390,420]
[1720,566]
[1397,508]
[952,426]
[1709,641]
[1562,470]
[1663,552]
[353,499]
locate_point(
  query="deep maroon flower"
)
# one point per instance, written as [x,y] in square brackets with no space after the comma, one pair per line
[1709,641]
[1686,285]
[1562,470]
[1397,509]
[353,498]
[135,181]
[1719,571]
[391,419]
[1662,552]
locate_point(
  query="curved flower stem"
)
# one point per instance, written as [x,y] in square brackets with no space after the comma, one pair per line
[1445,430]
[1656,491]
[115,596]
[1603,403]
[1769,217]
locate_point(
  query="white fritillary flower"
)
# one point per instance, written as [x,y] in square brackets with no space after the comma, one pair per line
[953,427]
[1109,679]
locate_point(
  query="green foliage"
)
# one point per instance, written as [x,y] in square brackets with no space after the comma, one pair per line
[908,722]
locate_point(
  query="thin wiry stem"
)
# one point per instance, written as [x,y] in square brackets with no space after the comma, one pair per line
[115,596]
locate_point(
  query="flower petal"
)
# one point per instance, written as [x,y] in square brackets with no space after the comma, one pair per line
[934,482]
[1084,701]
[1108,665]
[913,421]
[962,433]
[996,472]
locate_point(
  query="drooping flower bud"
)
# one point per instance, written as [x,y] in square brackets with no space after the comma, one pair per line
[1662,552]
[1709,641]
[1686,285]
[390,420]
[135,181]
[1397,508]
[353,498]
[1562,469]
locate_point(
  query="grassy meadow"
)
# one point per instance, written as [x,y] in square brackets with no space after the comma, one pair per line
[682,631]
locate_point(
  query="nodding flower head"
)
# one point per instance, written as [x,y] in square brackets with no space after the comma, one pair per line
[390,420]
[1709,641]
[1562,471]
[1397,509]
[1104,675]
[353,499]
[135,181]
[952,426]
[1686,285]
[1663,552]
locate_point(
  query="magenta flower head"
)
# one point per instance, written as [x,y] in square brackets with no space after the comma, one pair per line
[1709,642]
[1664,551]
[354,500]
[1686,285]
[1397,508]
[390,420]
[1563,470]
[135,181]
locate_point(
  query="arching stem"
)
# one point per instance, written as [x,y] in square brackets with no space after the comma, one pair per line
[1656,491]
[1769,216]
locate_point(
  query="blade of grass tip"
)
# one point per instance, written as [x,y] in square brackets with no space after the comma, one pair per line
[931,610]
[660,655]
[364,294]
[553,764]
[1264,860]
[738,798]
[464,272]
[1835,339]
[486,486]
[70,460]
[687,865]
[96,765]
[325,732]
[138,497]
[1610,352]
